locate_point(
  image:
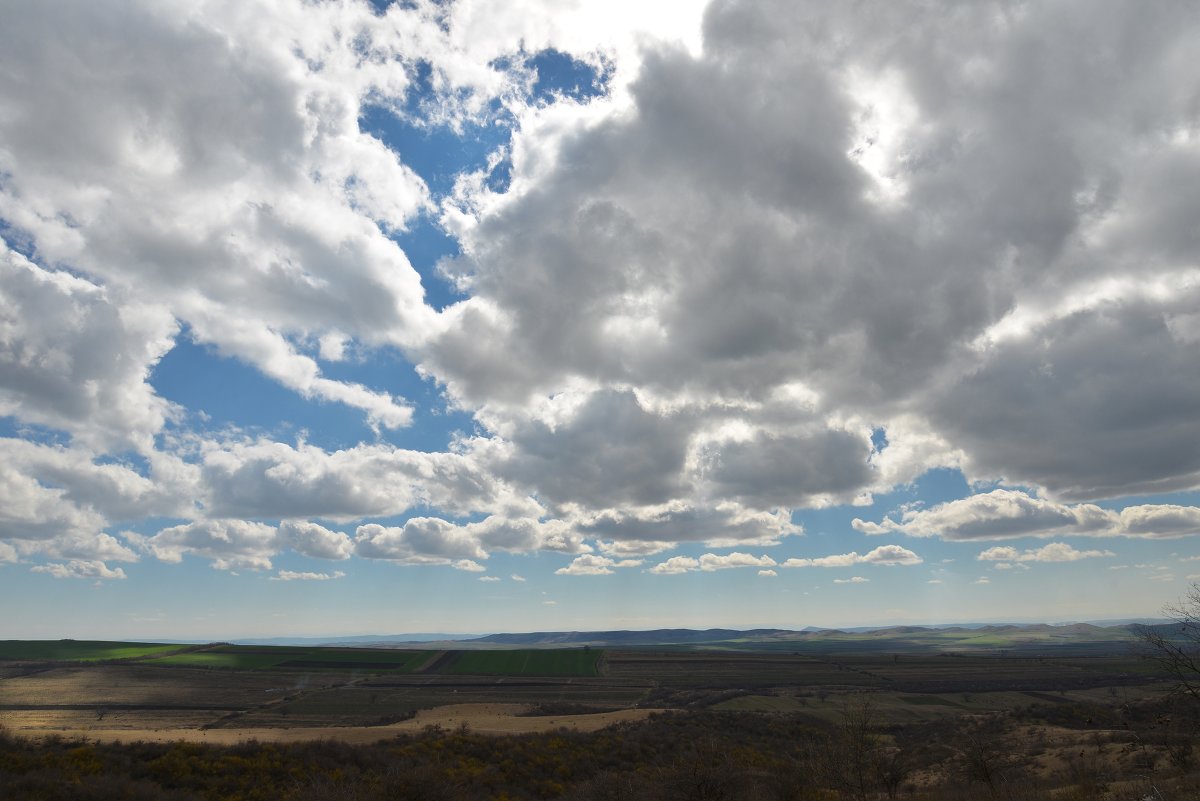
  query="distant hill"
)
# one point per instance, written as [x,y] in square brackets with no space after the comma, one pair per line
[357,641]
[1028,638]
[995,637]
[654,637]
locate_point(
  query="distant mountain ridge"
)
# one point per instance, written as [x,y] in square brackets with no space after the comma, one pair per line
[972,635]
[703,636]
[354,641]
[626,637]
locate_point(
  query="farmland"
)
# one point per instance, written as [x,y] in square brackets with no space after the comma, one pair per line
[1045,710]
[223,686]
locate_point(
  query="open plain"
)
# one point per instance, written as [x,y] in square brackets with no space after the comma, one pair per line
[1065,718]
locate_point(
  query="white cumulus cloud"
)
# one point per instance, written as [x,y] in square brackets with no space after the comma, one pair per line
[1009,514]
[1053,552]
[710,562]
[883,555]
[592,565]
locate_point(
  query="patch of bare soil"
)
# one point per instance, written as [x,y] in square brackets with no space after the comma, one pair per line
[478,718]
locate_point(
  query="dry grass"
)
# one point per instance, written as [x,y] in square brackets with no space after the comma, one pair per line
[496,719]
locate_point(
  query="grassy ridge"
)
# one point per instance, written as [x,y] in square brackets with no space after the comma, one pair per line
[79,650]
[532,662]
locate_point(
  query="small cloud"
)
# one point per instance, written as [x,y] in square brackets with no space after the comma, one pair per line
[291,575]
[515,577]
[591,565]
[1118,567]
[768,573]
[852,580]
[983,580]
[549,603]
[630,548]
[675,565]
[80,569]
[934,581]
[710,562]
[468,565]
[1163,577]
[489,578]
[587,565]
[889,555]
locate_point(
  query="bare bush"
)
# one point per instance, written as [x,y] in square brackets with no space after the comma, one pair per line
[1176,648]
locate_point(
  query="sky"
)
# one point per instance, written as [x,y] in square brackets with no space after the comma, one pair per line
[329,317]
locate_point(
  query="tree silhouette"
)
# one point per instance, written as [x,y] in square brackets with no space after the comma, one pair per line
[1176,647]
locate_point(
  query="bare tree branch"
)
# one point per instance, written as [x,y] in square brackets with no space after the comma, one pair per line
[1175,647]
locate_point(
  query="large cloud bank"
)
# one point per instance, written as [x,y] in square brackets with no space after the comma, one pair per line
[783,228]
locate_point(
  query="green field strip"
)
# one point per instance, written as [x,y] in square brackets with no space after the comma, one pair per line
[393,659]
[237,657]
[761,703]
[80,650]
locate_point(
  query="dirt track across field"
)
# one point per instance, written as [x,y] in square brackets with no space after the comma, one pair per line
[478,718]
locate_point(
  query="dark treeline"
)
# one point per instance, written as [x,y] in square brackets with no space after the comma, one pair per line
[690,756]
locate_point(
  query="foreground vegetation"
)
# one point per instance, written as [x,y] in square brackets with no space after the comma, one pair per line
[1073,753]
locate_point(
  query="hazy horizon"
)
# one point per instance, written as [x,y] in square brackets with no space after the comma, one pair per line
[418,636]
[371,317]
